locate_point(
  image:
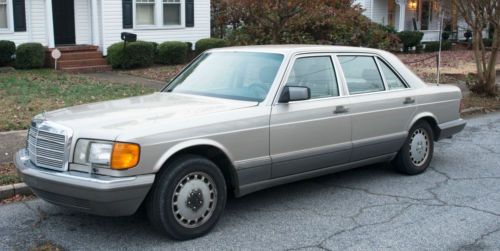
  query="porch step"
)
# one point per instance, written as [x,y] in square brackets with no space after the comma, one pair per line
[76,48]
[80,55]
[87,69]
[78,59]
[80,62]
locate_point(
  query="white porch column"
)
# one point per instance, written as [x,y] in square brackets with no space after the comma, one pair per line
[95,23]
[402,14]
[50,23]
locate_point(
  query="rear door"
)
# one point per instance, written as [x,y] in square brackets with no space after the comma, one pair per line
[381,105]
[315,133]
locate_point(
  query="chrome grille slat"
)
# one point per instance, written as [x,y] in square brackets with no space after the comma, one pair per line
[48,145]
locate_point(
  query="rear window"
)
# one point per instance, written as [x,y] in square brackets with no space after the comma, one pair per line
[361,74]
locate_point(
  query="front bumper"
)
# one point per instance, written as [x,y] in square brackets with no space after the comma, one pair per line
[448,129]
[94,194]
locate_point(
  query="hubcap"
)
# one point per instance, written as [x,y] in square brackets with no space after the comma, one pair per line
[194,199]
[419,147]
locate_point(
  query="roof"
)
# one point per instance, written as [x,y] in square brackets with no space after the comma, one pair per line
[296,48]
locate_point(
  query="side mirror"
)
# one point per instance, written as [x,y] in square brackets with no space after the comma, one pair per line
[295,93]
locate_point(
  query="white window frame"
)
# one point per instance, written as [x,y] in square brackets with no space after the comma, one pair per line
[158,18]
[10,19]
[155,10]
[181,9]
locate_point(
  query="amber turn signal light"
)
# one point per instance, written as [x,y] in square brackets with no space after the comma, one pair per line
[125,155]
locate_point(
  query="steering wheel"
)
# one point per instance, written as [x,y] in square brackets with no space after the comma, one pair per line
[259,89]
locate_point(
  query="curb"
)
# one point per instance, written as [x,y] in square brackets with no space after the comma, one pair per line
[9,191]
[14,132]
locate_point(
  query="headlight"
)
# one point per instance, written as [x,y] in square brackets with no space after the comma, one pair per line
[115,155]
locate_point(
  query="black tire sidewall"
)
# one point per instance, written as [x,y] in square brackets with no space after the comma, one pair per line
[164,189]
[404,162]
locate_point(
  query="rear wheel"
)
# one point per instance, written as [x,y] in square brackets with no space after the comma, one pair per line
[416,154]
[188,198]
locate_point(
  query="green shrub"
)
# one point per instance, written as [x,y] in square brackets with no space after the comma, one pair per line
[135,54]
[381,37]
[30,55]
[7,50]
[410,39]
[209,43]
[172,52]
[434,46]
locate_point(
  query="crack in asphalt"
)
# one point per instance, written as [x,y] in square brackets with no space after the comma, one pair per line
[446,203]
[321,244]
[475,244]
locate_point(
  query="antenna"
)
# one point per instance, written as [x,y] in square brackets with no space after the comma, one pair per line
[440,44]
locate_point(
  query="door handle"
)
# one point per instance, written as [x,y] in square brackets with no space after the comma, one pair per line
[340,109]
[409,100]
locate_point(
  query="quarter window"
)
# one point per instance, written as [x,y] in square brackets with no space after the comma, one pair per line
[145,12]
[317,73]
[3,14]
[392,80]
[361,74]
[171,12]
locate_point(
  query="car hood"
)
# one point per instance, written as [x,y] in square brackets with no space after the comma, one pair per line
[110,118]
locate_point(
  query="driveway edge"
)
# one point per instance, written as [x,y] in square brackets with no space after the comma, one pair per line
[9,191]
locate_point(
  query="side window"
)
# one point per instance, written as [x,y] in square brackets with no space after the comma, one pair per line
[317,73]
[392,80]
[361,74]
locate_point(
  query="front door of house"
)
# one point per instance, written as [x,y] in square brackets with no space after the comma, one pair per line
[63,12]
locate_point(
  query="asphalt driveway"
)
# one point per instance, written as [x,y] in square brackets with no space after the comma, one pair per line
[454,205]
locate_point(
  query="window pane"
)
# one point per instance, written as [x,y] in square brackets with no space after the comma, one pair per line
[393,81]
[145,13]
[171,14]
[361,74]
[3,16]
[316,73]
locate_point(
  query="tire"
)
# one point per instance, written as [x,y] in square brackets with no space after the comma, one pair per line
[416,154]
[188,198]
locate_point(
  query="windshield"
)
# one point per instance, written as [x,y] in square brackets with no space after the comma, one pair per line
[233,75]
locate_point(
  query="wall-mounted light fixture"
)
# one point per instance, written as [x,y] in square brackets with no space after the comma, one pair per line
[412,4]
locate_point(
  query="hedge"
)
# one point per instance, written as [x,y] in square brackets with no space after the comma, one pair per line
[172,52]
[410,39]
[209,43]
[434,46]
[134,54]
[30,55]
[7,50]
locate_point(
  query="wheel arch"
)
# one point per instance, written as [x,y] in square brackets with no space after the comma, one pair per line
[429,118]
[209,149]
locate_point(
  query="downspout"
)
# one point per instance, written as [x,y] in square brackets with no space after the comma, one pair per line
[371,10]
[30,30]
[50,23]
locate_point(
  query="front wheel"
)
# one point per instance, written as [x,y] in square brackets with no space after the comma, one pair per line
[187,198]
[416,154]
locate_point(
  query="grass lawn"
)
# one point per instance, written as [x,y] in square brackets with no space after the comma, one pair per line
[27,93]
[162,73]
[8,174]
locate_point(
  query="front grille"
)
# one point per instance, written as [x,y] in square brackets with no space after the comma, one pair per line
[47,147]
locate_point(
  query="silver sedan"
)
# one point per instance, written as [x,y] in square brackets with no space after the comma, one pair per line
[237,120]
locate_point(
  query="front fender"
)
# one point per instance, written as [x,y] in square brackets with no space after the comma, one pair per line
[186,144]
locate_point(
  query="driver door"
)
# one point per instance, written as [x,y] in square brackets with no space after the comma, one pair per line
[315,133]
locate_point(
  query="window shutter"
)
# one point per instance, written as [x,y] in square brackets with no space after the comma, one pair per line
[189,13]
[19,15]
[128,21]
